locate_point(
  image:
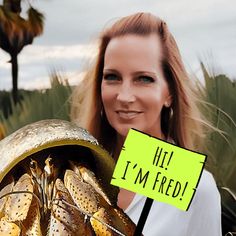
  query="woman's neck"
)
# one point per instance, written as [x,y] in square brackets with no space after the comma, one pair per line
[119,143]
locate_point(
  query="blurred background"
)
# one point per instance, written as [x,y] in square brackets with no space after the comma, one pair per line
[46,47]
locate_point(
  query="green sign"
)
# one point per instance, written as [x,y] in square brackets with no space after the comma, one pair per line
[158,169]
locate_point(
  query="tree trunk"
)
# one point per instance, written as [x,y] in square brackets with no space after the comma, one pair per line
[14,71]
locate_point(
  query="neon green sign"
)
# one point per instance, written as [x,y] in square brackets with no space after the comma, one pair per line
[158,170]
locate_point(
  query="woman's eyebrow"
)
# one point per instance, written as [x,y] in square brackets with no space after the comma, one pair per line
[144,72]
[106,71]
[134,73]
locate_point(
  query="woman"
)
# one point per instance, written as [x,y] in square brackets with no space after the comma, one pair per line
[139,81]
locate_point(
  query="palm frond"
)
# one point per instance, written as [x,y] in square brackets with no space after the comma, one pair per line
[16,32]
[35,21]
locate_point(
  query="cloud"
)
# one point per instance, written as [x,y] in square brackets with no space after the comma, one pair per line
[37,53]
[37,61]
[43,82]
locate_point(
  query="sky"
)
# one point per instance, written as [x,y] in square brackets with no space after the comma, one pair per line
[203,29]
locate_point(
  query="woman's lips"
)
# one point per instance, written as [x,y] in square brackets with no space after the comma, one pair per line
[128,114]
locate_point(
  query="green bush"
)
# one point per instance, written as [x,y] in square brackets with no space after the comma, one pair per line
[51,103]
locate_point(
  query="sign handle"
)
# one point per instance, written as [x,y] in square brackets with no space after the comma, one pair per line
[143,217]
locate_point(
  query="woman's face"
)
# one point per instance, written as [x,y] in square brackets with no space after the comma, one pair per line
[133,87]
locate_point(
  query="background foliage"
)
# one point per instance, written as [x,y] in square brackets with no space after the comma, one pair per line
[38,105]
[220,108]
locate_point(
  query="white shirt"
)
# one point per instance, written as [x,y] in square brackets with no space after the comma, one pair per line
[203,217]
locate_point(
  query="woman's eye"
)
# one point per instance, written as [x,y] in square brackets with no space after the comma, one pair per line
[146,79]
[110,77]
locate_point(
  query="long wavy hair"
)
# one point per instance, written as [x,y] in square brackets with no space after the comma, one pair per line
[182,122]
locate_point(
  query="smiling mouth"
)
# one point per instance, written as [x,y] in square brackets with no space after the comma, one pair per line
[128,114]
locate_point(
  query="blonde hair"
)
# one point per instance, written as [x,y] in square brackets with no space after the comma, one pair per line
[184,126]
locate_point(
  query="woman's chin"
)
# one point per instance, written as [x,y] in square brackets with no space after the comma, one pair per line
[123,131]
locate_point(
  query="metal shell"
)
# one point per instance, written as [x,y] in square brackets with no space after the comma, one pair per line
[45,134]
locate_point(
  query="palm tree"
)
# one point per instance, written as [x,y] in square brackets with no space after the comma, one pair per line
[17,32]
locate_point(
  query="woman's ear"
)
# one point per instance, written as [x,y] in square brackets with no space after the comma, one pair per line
[168,101]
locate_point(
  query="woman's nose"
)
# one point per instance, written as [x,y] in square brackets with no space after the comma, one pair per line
[126,93]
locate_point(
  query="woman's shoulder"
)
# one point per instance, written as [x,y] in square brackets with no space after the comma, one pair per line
[207,182]
[207,189]
[205,209]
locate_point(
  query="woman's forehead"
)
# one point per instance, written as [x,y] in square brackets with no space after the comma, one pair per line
[143,52]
